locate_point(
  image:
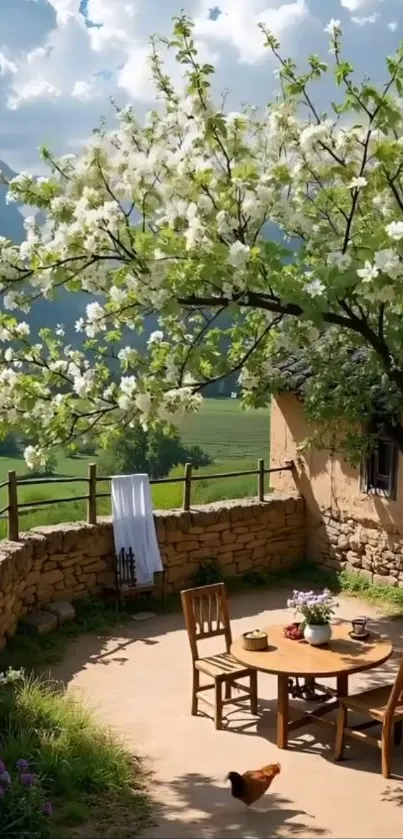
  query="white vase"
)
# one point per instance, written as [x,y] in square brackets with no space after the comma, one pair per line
[316,635]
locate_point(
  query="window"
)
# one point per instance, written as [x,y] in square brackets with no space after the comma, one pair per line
[380,469]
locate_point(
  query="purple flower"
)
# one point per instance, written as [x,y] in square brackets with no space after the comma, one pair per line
[5,777]
[47,808]
[28,779]
[22,765]
[2,767]
[1,792]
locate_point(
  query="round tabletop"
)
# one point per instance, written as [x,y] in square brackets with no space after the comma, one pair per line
[342,655]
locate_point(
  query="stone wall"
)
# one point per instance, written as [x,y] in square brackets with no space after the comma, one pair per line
[67,561]
[361,547]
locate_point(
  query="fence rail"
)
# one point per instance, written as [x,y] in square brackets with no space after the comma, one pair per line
[11,511]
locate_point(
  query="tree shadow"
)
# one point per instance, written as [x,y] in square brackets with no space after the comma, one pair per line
[105,648]
[194,805]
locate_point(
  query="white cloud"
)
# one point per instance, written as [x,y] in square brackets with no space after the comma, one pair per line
[355,5]
[6,66]
[83,90]
[38,88]
[238,23]
[57,74]
[365,21]
[53,69]
[65,9]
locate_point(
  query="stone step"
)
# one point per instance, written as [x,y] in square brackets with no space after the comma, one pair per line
[62,609]
[39,622]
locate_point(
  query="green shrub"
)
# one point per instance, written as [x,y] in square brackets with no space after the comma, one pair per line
[71,761]
[208,572]
[150,451]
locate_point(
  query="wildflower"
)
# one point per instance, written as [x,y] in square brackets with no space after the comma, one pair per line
[28,779]
[22,765]
[47,808]
[5,777]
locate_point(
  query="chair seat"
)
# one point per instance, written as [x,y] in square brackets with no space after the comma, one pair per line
[372,702]
[221,664]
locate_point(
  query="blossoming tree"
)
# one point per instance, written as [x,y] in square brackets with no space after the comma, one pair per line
[173,216]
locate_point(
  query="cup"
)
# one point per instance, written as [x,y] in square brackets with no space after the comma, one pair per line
[359,625]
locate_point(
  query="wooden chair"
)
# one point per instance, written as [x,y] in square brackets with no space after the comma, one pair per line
[126,584]
[385,707]
[206,615]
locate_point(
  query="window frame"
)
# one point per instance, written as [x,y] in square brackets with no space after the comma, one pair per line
[370,466]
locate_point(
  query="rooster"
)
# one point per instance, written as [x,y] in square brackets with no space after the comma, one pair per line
[250,786]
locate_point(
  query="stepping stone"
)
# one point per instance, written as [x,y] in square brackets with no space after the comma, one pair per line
[63,610]
[143,616]
[40,622]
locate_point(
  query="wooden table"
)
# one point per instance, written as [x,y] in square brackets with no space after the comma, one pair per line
[286,658]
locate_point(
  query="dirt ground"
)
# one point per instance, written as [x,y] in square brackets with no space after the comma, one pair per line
[138,681]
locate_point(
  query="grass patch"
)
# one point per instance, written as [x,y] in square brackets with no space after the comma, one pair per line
[235,440]
[72,762]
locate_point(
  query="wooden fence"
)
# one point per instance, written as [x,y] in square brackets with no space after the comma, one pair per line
[14,508]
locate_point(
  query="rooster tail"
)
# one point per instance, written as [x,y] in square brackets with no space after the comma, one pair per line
[238,786]
[271,770]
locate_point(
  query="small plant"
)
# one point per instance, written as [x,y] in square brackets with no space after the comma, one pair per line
[255,578]
[208,572]
[56,756]
[316,609]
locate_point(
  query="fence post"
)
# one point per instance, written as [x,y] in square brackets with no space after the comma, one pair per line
[187,488]
[13,528]
[92,494]
[260,479]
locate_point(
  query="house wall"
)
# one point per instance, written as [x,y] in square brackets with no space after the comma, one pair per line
[67,561]
[345,527]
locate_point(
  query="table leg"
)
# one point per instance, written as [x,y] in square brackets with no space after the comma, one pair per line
[342,685]
[282,710]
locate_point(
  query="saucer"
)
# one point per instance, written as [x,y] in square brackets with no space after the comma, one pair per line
[361,636]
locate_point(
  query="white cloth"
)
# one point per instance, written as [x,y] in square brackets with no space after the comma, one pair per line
[133,524]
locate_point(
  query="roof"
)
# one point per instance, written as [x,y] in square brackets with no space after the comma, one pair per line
[295,372]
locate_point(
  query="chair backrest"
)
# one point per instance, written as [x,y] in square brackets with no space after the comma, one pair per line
[125,569]
[206,614]
[396,694]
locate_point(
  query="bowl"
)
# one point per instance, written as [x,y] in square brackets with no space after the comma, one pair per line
[255,640]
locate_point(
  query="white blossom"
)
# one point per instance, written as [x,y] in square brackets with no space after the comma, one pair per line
[333,27]
[10,300]
[239,254]
[395,230]
[358,183]
[155,337]
[388,262]
[315,288]
[34,457]
[339,260]
[368,273]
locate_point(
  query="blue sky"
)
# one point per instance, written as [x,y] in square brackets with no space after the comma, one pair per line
[57,72]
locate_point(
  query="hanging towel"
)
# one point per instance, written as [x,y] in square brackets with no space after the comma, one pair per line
[133,524]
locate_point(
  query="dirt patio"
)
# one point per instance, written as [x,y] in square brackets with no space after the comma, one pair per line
[139,683]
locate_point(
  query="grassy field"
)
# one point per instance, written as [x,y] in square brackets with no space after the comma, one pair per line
[233,438]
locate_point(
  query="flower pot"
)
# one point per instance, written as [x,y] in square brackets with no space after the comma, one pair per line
[319,634]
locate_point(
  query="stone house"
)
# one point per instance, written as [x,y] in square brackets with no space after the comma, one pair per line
[354,516]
